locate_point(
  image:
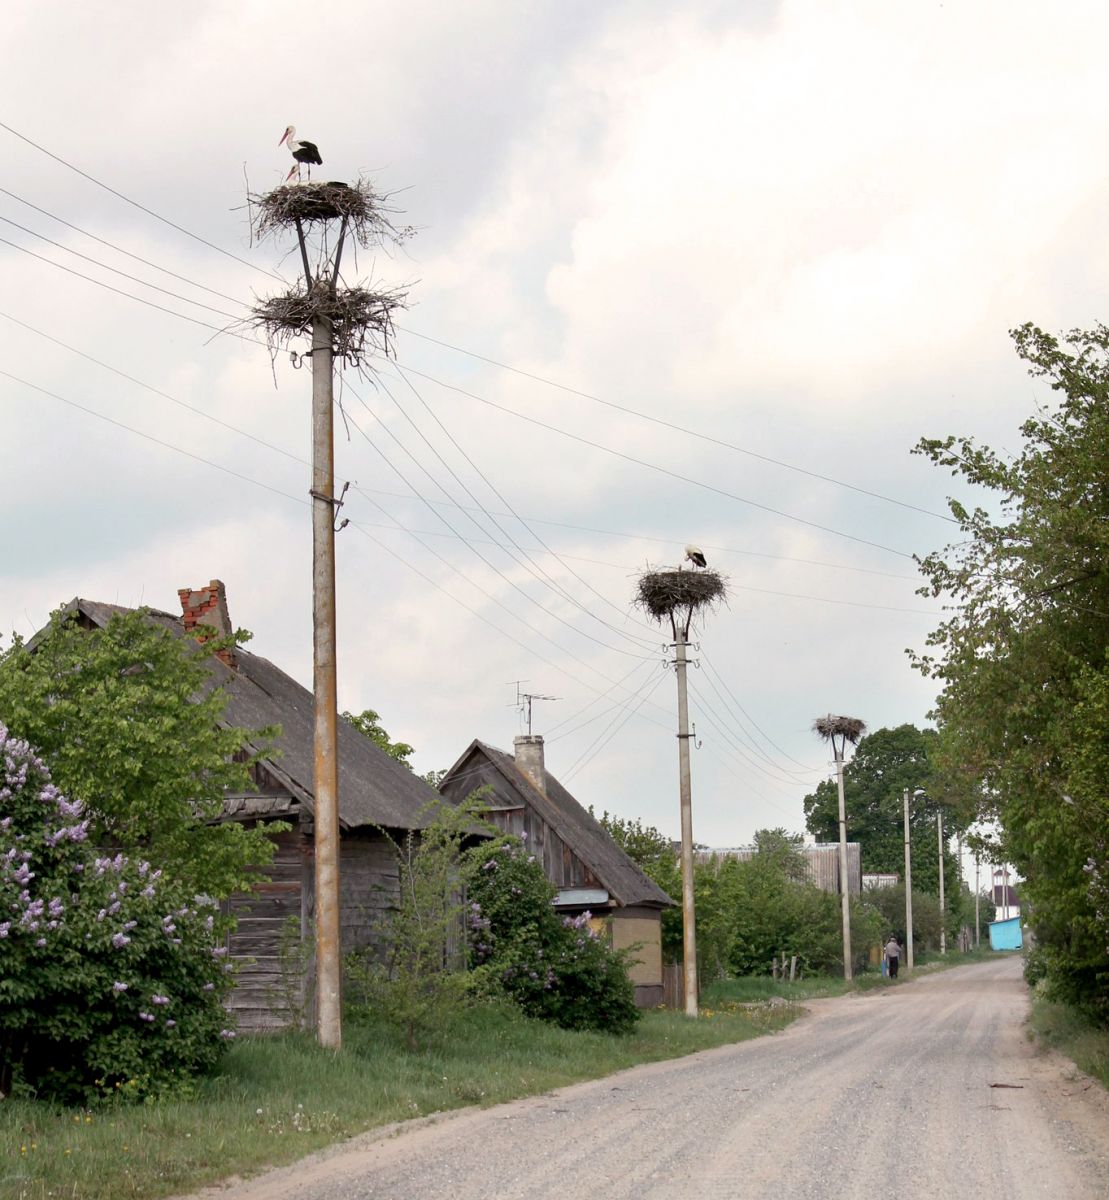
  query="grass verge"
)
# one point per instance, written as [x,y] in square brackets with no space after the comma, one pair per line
[1061,1027]
[277,1099]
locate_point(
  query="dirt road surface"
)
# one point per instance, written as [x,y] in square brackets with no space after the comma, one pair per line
[884,1094]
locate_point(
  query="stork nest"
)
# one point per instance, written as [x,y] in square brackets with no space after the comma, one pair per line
[361,320]
[663,593]
[367,213]
[849,728]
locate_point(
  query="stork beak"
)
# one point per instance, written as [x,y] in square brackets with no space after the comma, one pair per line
[291,173]
[284,135]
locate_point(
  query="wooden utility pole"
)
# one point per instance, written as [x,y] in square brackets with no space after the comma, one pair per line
[908,888]
[689,924]
[943,911]
[844,888]
[329,1017]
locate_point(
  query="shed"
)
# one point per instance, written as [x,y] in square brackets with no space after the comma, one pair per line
[274,983]
[578,854]
[1006,935]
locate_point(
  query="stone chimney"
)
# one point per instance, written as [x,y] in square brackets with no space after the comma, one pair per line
[529,759]
[207,606]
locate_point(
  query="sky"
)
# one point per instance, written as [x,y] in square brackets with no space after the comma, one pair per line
[680,272]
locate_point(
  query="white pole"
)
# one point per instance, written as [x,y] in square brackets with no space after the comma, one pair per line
[689,925]
[908,889]
[977,920]
[943,913]
[845,899]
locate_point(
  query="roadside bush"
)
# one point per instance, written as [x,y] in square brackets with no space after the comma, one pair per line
[110,979]
[557,968]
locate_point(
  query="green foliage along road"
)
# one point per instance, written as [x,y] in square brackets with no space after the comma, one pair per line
[1023,709]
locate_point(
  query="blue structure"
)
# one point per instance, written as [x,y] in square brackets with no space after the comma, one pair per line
[1005,935]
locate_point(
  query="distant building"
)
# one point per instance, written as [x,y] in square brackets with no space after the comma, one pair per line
[822,859]
[1005,898]
[880,879]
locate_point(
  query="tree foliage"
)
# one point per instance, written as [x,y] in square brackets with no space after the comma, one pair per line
[1021,659]
[128,721]
[368,722]
[111,981]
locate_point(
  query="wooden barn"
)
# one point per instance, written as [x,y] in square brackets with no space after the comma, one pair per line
[578,855]
[376,794]
[822,859]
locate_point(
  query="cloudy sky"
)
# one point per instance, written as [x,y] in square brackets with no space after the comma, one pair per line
[729,261]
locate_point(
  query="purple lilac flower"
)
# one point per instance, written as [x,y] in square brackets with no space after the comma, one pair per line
[208,987]
[145,1016]
[119,940]
[148,892]
[119,986]
[227,1034]
[170,1024]
[4,927]
[156,999]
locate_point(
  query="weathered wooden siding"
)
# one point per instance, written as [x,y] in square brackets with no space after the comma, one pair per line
[822,860]
[265,989]
[369,886]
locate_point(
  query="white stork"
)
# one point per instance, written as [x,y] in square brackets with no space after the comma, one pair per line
[696,556]
[302,151]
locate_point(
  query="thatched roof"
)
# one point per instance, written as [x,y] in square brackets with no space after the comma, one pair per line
[849,728]
[662,593]
[374,789]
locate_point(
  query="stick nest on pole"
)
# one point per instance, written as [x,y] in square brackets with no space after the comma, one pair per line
[361,320]
[366,213]
[679,595]
[850,729]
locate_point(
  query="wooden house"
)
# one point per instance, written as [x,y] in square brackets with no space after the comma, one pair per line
[272,944]
[579,856]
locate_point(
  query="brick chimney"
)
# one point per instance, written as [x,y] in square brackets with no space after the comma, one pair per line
[529,759]
[207,606]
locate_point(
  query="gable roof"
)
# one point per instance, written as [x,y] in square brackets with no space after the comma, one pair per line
[374,789]
[625,881]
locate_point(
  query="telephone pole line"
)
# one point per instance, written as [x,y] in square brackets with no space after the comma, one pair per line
[943,911]
[908,888]
[685,784]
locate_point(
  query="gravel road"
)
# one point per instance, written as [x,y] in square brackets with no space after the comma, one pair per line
[887,1093]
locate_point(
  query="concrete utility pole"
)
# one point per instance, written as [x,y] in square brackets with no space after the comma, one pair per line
[943,913]
[689,924]
[844,886]
[908,889]
[329,1019]
[977,920]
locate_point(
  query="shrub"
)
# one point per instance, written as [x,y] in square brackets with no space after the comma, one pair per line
[110,979]
[557,968]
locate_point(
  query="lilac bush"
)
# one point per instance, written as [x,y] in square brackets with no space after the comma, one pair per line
[557,968]
[110,976]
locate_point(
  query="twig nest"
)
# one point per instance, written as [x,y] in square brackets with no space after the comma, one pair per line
[663,593]
[849,728]
[361,320]
[367,213]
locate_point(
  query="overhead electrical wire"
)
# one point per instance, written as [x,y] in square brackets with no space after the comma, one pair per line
[629,710]
[458,349]
[704,437]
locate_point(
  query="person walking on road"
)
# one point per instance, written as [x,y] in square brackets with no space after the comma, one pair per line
[893,955]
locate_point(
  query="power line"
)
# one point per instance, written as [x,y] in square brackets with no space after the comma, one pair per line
[115,270]
[629,710]
[655,466]
[704,437]
[141,207]
[119,249]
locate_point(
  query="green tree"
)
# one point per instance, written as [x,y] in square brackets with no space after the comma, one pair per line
[369,723]
[1021,657]
[127,721]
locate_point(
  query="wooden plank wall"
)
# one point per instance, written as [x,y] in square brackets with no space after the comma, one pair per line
[264,991]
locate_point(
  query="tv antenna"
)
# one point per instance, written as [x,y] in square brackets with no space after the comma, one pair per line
[524,701]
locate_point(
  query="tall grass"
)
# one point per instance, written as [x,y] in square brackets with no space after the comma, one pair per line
[277,1099]
[1061,1027]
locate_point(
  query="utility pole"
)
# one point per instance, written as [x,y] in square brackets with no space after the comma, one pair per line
[329,1018]
[943,911]
[348,324]
[977,921]
[689,924]
[908,888]
[844,889]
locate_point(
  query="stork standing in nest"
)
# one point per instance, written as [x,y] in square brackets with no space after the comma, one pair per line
[304,153]
[696,556]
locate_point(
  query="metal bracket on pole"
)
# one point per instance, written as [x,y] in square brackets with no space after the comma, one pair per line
[336,503]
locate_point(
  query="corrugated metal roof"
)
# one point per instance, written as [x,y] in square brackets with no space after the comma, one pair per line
[374,789]
[588,839]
